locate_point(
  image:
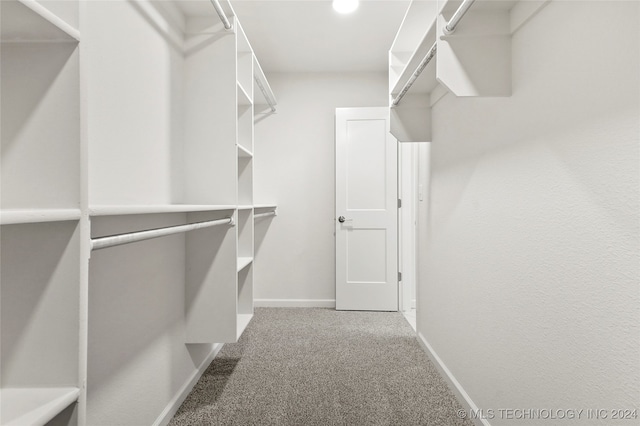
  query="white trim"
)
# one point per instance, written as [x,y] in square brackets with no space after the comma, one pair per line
[294,303]
[170,410]
[455,386]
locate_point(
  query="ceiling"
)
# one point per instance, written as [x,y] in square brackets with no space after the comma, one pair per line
[308,36]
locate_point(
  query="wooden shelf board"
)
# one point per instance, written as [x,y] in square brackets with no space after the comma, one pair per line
[29,21]
[243,262]
[17,216]
[35,406]
[117,210]
[243,321]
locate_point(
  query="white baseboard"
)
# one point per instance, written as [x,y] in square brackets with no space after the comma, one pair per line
[455,386]
[170,410]
[294,303]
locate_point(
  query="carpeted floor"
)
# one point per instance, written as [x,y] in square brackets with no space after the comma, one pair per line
[321,367]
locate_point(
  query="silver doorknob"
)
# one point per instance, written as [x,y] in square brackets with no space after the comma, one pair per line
[341,219]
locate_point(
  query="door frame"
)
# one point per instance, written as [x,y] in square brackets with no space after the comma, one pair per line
[407,224]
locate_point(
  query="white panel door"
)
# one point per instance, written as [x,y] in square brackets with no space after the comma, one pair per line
[366,211]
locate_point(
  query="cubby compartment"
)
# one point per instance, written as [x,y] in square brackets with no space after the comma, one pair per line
[245,125]
[245,299]
[244,61]
[245,181]
[39,294]
[40,125]
[245,237]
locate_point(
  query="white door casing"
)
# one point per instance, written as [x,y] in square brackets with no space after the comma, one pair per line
[407,229]
[366,197]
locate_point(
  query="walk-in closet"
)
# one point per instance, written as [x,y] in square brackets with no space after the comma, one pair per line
[226,212]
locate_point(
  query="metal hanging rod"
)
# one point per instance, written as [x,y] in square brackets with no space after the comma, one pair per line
[457,16]
[259,215]
[220,12]
[270,101]
[423,64]
[132,237]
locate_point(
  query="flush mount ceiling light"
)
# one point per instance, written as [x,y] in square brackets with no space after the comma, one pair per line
[345,6]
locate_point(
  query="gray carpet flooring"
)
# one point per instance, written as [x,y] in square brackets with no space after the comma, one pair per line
[321,367]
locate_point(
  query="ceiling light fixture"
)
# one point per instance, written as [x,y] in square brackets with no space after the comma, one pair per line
[345,6]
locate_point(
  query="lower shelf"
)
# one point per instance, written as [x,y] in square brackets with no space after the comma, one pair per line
[35,406]
[242,322]
[243,262]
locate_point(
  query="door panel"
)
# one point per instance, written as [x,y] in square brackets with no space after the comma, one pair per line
[366,197]
[366,189]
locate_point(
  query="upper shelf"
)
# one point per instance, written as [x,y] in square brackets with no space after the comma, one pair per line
[264,99]
[118,210]
[414,26]
[475,60]
[29,21]
[426,82]
[448,7]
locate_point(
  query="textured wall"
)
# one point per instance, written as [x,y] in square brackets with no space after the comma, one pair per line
[529,283]
[294,166]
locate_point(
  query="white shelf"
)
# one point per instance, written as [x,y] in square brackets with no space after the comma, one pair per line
[245,207]
[116,210]
[243,262]
[261,99]
[35,406]
[450,6]
[243,95]
[244,64]
[16,216]
[243,321]
[244,152]
[265,206]
[40,146]
[28,21]
[245,124]
[426,82]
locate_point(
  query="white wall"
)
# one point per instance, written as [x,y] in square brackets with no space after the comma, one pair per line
[294,166]
[529,284]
